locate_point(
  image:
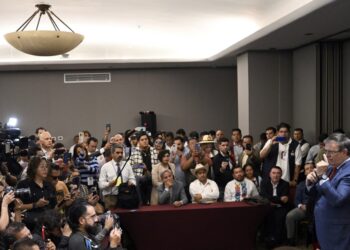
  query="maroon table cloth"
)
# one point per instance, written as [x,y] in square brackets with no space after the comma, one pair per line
[231,225]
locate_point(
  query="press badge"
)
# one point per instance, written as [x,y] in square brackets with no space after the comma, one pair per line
[118,182]
[90,181]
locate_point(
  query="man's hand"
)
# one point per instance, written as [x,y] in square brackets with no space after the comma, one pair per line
[50,245]
[168,183]
[321,166]
[284,199]
[108,145]
[66,231]
[248,152]
[115,237]
[197,198]
[112,183]
[223,167]
[93,199]
[109,222]
[311,178]
[177,203]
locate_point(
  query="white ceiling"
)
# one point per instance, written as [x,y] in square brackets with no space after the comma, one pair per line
[154,31]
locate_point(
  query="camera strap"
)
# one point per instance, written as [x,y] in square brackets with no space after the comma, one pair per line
[120,171]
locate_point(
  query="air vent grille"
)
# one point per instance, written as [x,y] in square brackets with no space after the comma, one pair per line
[86,77]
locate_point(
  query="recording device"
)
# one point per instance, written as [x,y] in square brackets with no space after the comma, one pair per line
[9,140]
[93,191]
[19,193]
[139,129]
[198,147]
[248,147]
[94,154]
[81,137]
[67,157]
[281,139]
[108,127]
[102,218]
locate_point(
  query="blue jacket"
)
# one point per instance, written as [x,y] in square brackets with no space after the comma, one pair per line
[332,210]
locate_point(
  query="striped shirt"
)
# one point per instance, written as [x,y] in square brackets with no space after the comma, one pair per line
[90,169]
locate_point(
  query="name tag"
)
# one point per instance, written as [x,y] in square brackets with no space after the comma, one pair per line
[90,181]
[118,182]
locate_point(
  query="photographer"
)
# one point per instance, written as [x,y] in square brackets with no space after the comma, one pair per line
[42,193]
[62,193]
[250,155]
[9,178]
[53,226]
[83,221]
[87,162]
[7,199]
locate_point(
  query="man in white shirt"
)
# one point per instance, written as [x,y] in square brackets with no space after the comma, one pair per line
[203,190]
[283,152]
[108,181]
[240,187]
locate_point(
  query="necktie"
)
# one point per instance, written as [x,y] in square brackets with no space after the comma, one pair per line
[333,173]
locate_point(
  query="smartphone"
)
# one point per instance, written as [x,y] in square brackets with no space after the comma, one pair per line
[281,138]
[139,129]
[93,191]
[67,157]
[81,137]
[248,147]
[198,147]
[108,127]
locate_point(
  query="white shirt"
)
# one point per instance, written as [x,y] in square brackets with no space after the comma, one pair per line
[209,191]
[109,172]
[237,191]
[282,158]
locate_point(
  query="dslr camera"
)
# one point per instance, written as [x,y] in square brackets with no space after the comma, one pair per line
[19,193]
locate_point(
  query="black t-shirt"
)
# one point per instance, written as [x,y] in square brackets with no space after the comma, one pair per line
[47,191]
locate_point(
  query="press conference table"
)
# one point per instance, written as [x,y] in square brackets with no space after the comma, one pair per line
[231,225]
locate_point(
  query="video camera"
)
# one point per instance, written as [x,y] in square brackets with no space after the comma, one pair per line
[9,140]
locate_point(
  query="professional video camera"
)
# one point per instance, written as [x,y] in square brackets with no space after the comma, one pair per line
[9,140]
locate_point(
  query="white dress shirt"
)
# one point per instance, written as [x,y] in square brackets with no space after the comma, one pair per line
[238,190]
[209,191]
[109,172]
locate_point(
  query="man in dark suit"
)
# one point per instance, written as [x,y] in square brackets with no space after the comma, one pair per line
[171,191]
[330,184]
[276,190]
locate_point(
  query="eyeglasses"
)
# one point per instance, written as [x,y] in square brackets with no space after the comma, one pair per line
[331,152]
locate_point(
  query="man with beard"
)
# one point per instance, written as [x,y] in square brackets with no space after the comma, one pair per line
[83,221]
[240,187]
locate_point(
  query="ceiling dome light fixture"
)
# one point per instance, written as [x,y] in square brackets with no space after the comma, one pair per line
[44,42]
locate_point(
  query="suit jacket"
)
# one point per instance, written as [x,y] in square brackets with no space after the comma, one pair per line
[222,178]
[177,193]
[266,191]
[332,210]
